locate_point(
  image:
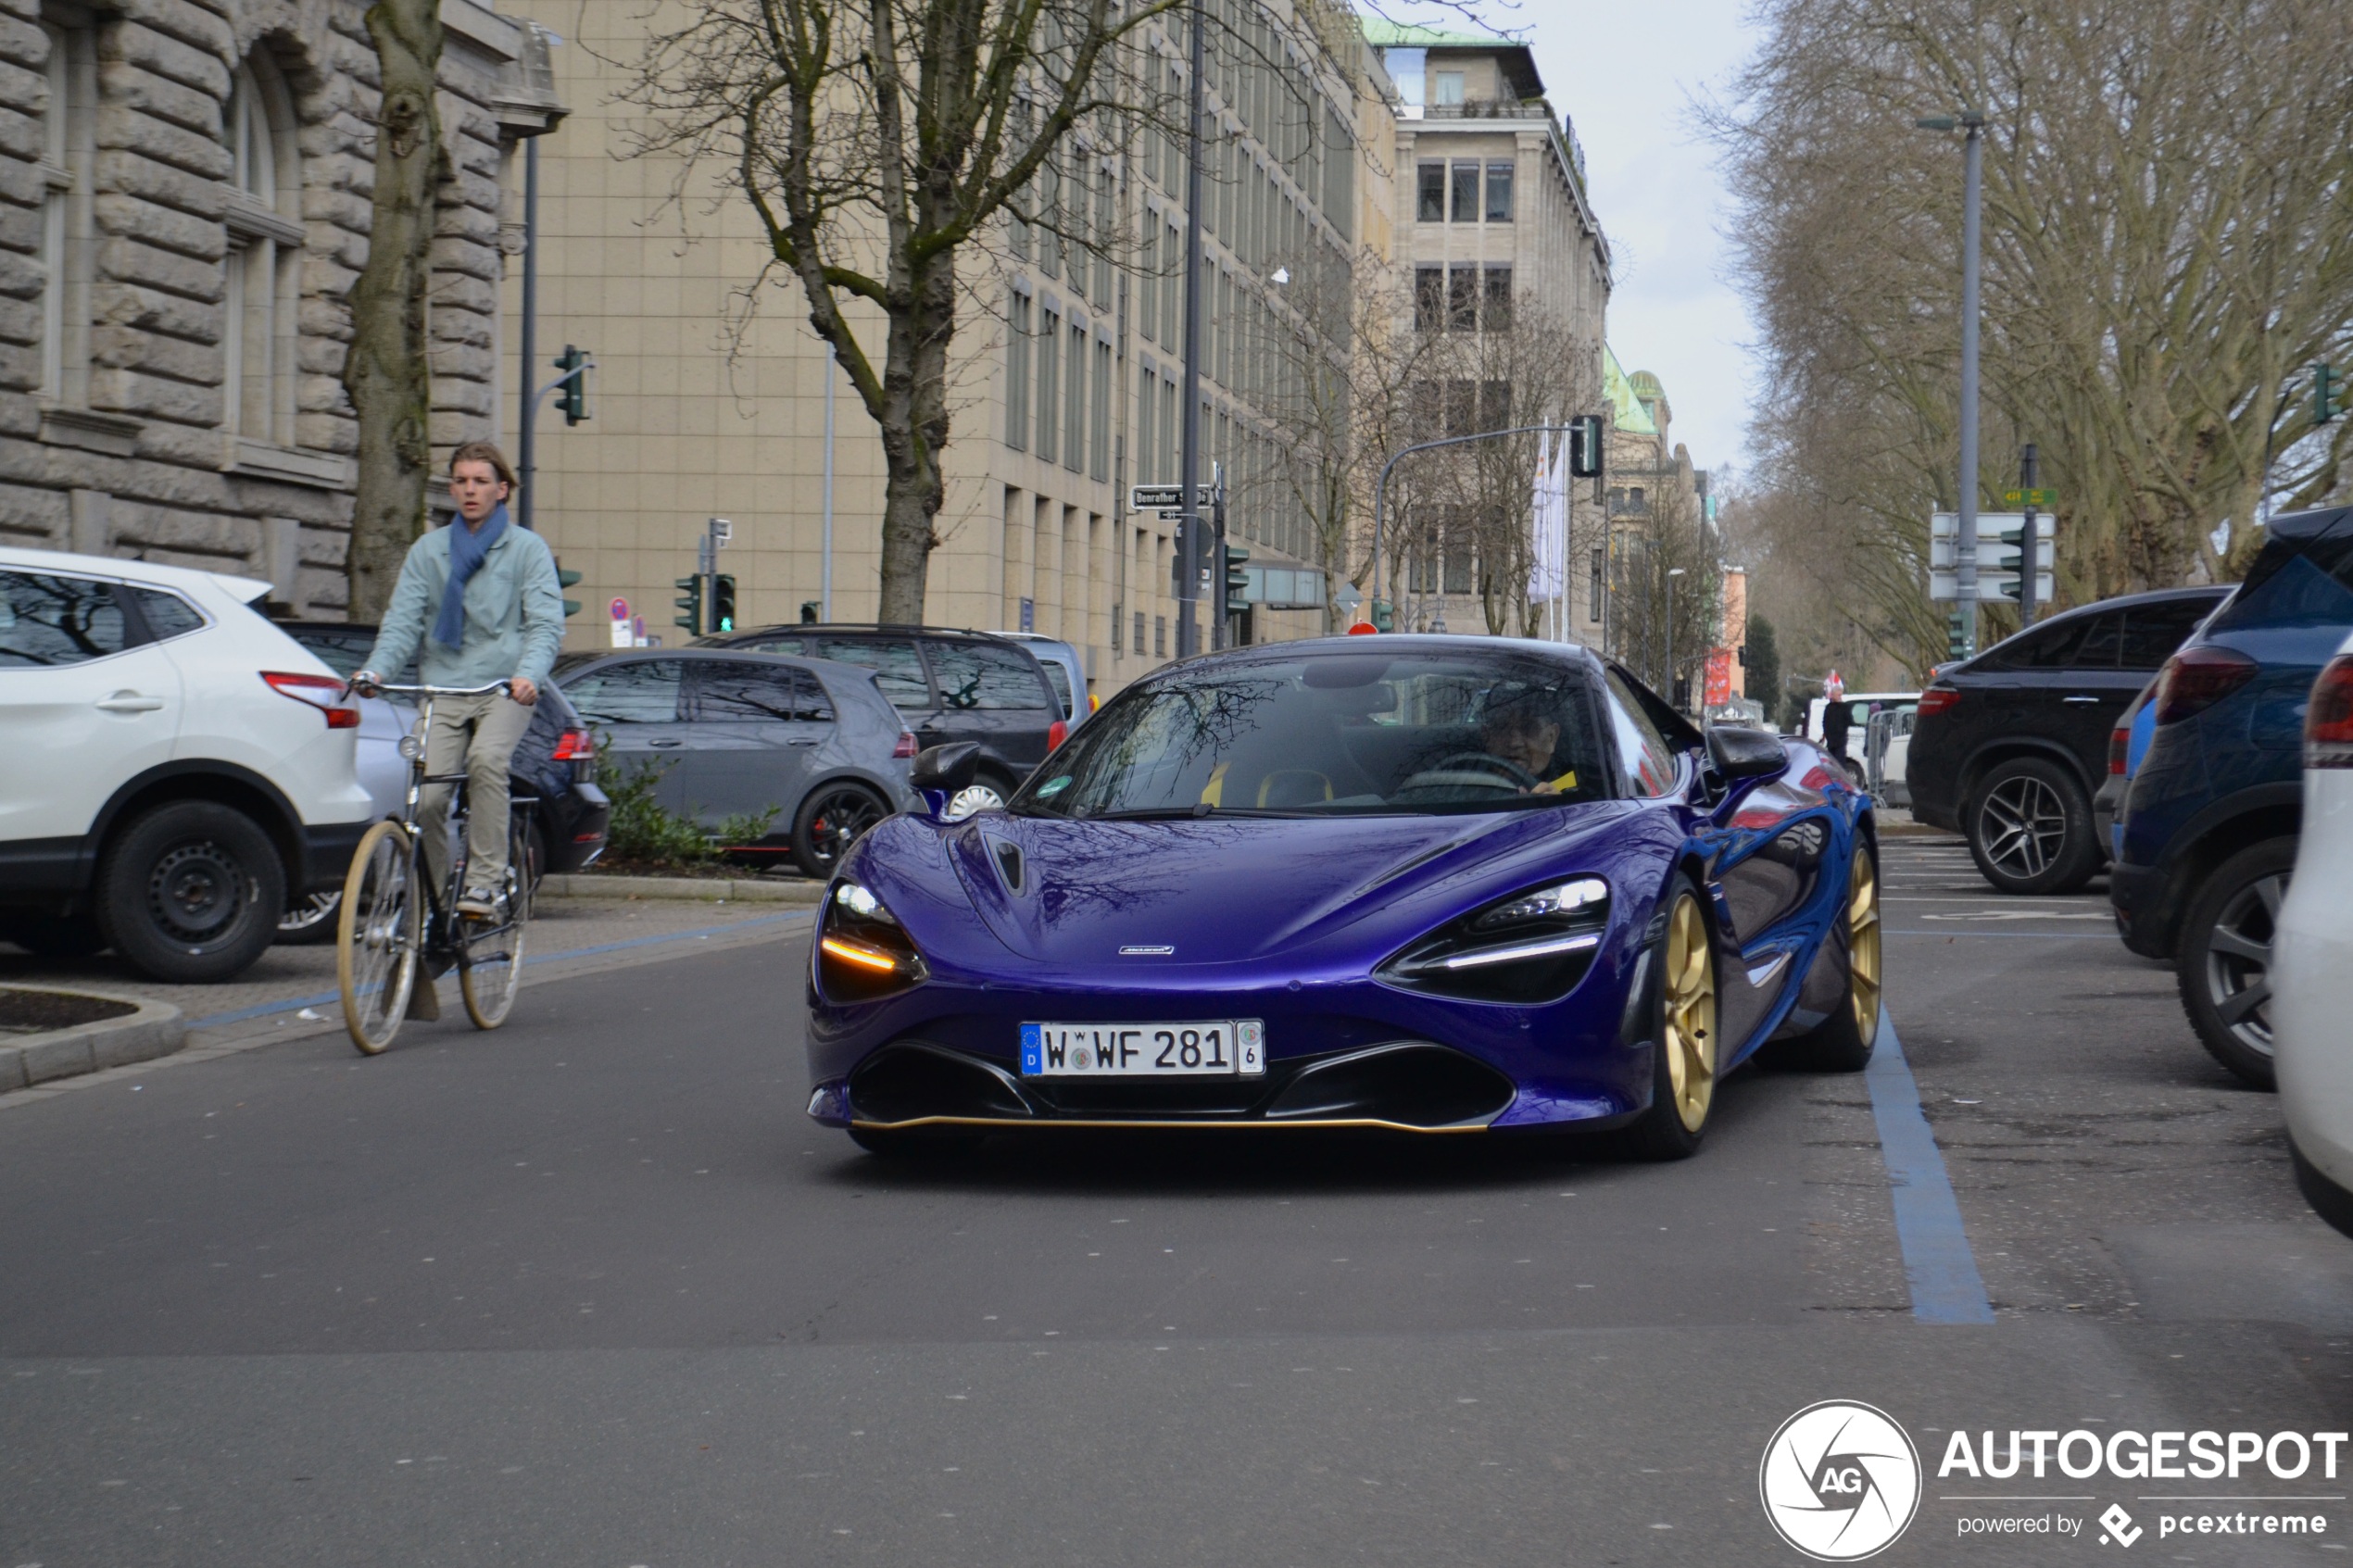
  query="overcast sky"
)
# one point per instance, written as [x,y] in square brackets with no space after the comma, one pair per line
[1626,74]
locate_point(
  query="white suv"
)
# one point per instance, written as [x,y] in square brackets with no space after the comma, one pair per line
[176,765]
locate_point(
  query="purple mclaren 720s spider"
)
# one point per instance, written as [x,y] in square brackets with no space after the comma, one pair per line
[1433,884]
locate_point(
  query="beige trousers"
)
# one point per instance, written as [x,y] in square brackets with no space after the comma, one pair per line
[475,736]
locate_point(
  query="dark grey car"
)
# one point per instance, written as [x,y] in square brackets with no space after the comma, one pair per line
[739,734]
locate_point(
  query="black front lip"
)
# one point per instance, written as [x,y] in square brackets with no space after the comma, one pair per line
[1410,1085]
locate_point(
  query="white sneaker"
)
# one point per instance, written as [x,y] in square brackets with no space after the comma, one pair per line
[478,903]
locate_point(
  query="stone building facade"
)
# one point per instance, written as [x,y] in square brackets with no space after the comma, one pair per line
[1066,367]
[1497,233]
[185,205]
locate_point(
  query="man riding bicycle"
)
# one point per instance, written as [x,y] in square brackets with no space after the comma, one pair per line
[477,602]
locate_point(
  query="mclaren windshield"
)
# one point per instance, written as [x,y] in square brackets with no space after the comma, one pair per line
[1333,734]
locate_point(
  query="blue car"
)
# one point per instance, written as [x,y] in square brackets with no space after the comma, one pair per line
[1427,883]
[2209,830]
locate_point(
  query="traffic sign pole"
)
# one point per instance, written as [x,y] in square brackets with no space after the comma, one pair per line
[2028,542]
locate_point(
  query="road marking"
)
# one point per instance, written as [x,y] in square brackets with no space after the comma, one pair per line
[2015,936]
[1946,1288]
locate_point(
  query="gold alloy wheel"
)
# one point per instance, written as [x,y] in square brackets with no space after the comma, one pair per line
[1691,1014]
[1862,943]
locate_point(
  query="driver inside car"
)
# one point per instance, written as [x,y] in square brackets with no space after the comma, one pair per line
[1521,735]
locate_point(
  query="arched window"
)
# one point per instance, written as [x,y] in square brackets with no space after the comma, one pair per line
[263,215]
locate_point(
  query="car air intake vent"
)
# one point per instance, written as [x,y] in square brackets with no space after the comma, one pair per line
[910,1080]
[1009,864]
[1415,1084]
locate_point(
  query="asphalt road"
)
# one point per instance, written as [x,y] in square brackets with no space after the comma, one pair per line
[592,1291]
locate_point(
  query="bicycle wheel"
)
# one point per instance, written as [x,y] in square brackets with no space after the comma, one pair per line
[377,935]
[490,961]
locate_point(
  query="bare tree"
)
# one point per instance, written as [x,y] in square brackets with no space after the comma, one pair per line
[387,371]
[2169,247]
[876,143]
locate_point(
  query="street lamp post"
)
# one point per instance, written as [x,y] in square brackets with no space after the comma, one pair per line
[1673,691]
[1972,122]
[1189,554]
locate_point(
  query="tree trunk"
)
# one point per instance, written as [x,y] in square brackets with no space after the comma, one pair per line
[915,426]
[387,371]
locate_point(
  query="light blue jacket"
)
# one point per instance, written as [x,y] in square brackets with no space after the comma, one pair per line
[515,613]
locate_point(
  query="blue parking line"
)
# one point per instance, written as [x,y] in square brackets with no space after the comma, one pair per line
[323,998]
[1946,1288]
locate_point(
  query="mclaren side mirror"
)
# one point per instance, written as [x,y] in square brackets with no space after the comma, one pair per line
[938,772]
[1745,754]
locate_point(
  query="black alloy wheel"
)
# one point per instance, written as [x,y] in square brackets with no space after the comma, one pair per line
[191,892]
[2030,829]
[834,817]
[2224,960]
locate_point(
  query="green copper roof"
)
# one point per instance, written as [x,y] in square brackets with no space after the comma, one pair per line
[1626,409]
[1382,33]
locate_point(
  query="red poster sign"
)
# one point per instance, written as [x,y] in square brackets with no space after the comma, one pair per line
[1719,690]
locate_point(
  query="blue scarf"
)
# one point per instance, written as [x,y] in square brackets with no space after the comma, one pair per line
[466,549]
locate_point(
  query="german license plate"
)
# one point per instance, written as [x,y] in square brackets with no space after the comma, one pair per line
[1223,1048]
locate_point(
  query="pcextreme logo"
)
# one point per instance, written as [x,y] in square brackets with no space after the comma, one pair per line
[1840,1481]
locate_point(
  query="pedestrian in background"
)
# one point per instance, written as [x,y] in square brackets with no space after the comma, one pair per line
[1837,719]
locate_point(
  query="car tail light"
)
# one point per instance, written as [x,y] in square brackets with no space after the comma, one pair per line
[2328,720]
[1056,734]
[906,746]
[2196,678]
[2119,750]
[315,691]
[1936,699]
[1094,703]
[574,745]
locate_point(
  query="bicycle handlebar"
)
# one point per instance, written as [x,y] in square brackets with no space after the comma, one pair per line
[386,688]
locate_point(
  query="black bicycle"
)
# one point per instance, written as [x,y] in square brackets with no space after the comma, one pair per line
[394,921]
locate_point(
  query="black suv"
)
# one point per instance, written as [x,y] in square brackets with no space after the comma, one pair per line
[949,685]
[2008,747]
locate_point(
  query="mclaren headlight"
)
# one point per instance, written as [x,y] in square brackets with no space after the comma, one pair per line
[864,954]
[1534,947]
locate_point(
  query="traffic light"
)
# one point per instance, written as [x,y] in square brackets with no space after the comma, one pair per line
[2001,558]
[1585,446]
[1384,616]
[722,603]
[690,601]
[2328,400]
[1955,636]
[1237,577]
[568,580]
[572,397]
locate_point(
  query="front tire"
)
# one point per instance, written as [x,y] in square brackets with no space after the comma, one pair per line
[191,892]
[1684,1063]
[2224,961]
[2030,829]
[378,933]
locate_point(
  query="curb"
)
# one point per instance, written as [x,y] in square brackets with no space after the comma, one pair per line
[577,884]
[155,1029]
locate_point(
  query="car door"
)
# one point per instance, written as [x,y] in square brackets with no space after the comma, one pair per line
[747,750]
[637,707]
[85,692]
[2084,701]
[995,695]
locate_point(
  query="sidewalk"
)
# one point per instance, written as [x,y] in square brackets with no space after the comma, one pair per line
[292,992]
